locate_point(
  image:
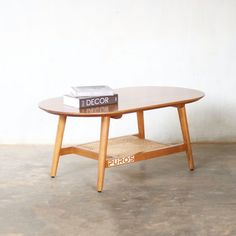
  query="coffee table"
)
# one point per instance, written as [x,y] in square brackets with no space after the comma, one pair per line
[127,149]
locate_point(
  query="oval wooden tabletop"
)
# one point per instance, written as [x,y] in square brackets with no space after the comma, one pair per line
[131,99]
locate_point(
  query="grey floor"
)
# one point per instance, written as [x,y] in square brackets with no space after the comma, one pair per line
[155,197]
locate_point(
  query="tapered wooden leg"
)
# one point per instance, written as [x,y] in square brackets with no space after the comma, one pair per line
[58,143]
[186,136]
[140,119]
[102,151]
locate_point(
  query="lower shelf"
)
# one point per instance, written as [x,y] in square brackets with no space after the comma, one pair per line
[128,149]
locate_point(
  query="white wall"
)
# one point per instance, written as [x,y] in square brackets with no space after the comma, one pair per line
[47,46]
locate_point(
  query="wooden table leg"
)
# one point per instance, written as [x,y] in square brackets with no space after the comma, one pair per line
[186,136]
[58,143]
[140,119]
[105,122]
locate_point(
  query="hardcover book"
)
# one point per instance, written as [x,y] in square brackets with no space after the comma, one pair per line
[85,102]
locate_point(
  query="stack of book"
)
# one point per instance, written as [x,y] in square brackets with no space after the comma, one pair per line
[90,96]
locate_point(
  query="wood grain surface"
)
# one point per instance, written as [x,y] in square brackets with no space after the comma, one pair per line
[132,99]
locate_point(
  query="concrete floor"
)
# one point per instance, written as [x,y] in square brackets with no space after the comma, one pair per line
[155,197]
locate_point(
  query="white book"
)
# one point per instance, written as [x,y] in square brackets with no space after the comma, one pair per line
[89,91]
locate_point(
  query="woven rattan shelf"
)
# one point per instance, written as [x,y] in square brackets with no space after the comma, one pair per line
[123,150]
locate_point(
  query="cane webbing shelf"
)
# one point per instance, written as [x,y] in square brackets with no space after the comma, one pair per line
[129,149]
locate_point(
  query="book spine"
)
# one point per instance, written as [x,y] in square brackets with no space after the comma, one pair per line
[98,101]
